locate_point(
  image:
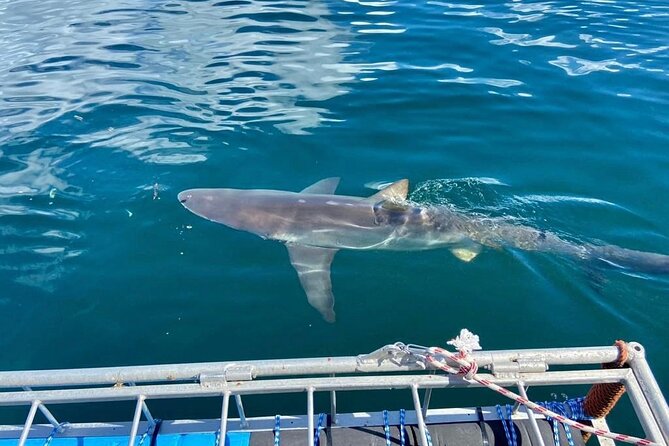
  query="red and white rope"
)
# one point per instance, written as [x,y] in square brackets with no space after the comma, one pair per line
[468,369]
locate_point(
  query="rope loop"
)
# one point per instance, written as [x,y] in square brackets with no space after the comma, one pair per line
[317,430]
[428,436]
[277,430]
[386,427]
[402,421]
[507,424]
[512,427]
[62,427]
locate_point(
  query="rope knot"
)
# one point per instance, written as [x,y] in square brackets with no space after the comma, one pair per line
[469,371]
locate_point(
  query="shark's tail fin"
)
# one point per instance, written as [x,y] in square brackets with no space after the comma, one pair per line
[638,261]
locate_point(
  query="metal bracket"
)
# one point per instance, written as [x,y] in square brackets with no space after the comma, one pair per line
[397,353]
[386,353]
[512,369]
[232,372]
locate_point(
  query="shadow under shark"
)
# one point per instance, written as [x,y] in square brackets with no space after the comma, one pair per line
[314,224]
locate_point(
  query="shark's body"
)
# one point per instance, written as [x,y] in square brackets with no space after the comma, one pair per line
[314,224]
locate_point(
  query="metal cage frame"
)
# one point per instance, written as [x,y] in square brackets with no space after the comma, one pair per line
[375,371]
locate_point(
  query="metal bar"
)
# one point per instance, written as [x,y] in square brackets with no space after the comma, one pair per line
[135,420]
[531,416]
[29,422]
[240,408]
[261,423]
[419,414]
[427,396]
[46,412]
[333,404]
[299,384]
[147,413]
[642,409]
[283,367]
[426,400]
[649,386]
[225,407]
[145,408]
[600,423]
[310,416]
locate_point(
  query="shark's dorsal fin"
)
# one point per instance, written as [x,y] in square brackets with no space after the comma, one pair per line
[324,186]
[397,191]
[313,268]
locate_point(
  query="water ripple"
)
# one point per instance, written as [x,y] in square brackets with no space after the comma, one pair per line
[502,83]
[524,39]
[575,66]
[255,69]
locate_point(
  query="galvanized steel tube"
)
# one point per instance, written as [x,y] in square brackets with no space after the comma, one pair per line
[283,367]
[649,386]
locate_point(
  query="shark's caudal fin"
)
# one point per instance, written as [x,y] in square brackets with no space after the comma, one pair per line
[639,261]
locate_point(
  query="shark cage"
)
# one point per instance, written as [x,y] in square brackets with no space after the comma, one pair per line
[413,370]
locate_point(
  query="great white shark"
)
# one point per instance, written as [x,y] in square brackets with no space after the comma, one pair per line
[315,223]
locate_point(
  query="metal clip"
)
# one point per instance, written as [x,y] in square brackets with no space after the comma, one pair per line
[512,369]
[232,372]
[390,352]
[397,353]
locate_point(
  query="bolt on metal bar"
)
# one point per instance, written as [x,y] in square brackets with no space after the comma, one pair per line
[225,406]
[29,422]
[531,416]
[642,409]
[240,408]
[135,420]
[46,412]
[310,416]
[419,414]
[649,386]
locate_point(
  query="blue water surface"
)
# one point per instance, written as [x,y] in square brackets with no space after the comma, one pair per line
[553,113]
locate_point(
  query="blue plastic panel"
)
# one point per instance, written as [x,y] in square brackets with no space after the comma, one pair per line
[190,439]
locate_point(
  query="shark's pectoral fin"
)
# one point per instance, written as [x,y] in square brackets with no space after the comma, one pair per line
[324,186]
[466,254]
[313,268]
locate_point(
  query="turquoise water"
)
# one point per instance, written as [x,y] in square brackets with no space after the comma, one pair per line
[554,113]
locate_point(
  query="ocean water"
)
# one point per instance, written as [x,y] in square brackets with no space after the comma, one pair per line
[552,113]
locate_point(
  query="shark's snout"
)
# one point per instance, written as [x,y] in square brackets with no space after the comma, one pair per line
[184,196]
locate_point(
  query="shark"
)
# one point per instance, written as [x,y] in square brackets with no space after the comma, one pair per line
[315,223]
